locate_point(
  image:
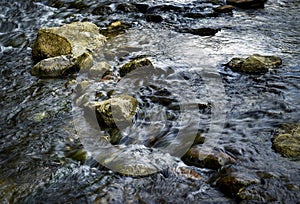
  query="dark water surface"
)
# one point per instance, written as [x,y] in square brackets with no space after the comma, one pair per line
[37,121]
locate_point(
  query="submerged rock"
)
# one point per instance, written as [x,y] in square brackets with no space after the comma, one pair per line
[127,7]
[102,9]
[194,15]
[118,110]
[201,31]
[247,4]
[154,18]
[286,140]
[115,28]
[134,64]
[224,9]
[212,160]
[65,48]
[254,64]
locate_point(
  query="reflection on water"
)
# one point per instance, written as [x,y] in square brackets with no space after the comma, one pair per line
[37,120]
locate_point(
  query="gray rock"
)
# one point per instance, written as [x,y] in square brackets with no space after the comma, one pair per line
[99,69]
[254,64]
[53,67]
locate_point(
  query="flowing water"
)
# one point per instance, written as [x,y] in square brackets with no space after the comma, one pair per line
[39,123]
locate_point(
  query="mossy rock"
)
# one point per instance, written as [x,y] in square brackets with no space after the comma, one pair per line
[254,64]
[286,140]
[134,64]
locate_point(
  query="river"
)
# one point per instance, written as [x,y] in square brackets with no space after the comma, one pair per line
[40,130]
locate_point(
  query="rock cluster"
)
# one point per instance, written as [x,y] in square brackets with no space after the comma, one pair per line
[64,48]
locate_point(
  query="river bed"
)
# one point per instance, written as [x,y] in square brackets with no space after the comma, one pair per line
[38,122]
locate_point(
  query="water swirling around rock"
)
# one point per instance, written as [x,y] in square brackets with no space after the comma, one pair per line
[40,147]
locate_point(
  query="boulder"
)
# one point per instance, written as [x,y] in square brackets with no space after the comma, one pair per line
[134,64]
[286,140]
[75,38]
[201,158]
[117,111]
[99,70]
[65,48]
[247,4]
[254,64]
[53,67]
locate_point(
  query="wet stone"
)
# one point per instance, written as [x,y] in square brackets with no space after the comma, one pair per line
[141,7]
[233,183]
[247,4]
[194,15]
[201,31]
[254,64]
[134,64]
[78,5]
[126,7]
[53,67]
[65,49]
[165,7]
[115,28]
[224,9]
[117,111]
[286,140]
[74,38]
[201,158]
[99,69]
[154,18]
[103,9]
